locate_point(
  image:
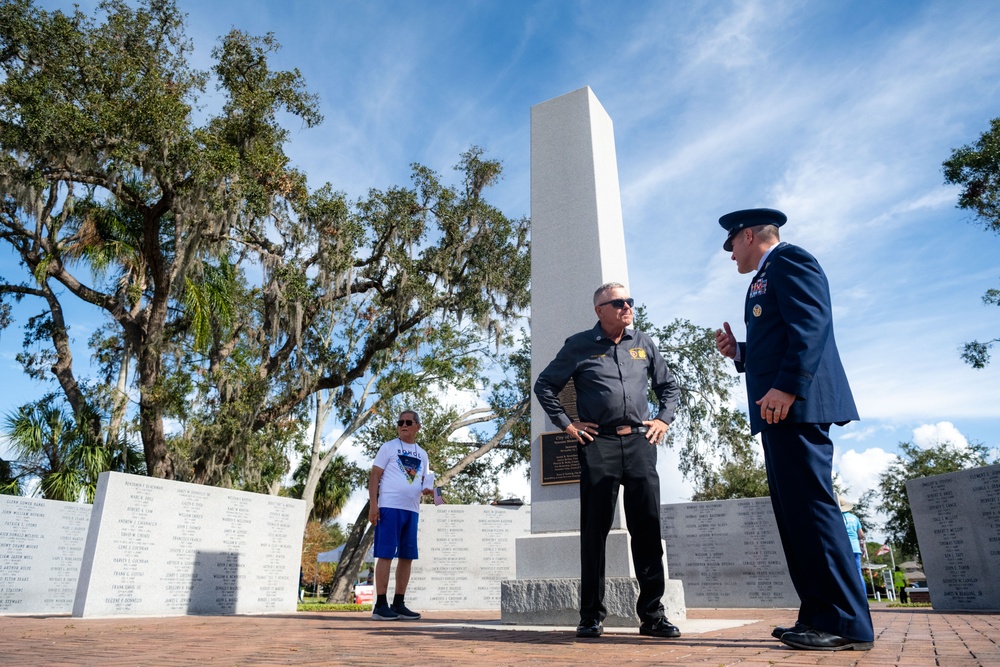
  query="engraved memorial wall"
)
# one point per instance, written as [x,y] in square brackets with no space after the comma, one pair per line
[957,518]
[41,548]
[727,553]
[465,551]
[163,548]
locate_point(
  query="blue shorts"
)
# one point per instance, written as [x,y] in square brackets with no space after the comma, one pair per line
[396,534]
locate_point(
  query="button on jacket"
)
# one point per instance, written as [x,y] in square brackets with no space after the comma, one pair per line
[610,379]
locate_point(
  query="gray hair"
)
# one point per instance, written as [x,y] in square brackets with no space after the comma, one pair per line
[416,417]
[606,287]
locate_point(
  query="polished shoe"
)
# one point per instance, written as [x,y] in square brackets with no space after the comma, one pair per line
[817,640]
[661,627]
[590,629]
[798,627]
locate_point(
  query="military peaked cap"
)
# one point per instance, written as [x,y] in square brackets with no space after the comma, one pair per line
[751,217]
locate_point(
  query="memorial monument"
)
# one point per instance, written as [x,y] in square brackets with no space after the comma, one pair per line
[957,519]
[156,547]
[577,244]
[465,552]
[728,553]
[41,548]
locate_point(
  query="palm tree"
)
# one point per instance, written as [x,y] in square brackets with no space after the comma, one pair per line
[42,436]
[332,491]
[64,455]
[10,485]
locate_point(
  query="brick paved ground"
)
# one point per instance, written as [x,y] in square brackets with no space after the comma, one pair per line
[916,637]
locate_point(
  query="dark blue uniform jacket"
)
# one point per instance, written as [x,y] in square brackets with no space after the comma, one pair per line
[790,344]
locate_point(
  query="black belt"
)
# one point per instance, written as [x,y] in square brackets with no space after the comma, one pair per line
[622,430]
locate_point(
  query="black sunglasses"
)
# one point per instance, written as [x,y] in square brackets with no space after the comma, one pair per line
[619,303]
[405,422]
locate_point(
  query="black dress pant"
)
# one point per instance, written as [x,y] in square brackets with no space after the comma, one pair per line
[799,461]
[607,463]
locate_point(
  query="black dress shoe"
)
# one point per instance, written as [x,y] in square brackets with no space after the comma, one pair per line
[817,640]
[661,627]
[798,627]
[590,629]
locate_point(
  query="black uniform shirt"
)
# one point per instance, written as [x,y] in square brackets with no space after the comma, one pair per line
[611,379]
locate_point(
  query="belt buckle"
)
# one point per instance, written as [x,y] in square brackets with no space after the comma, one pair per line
[623,430]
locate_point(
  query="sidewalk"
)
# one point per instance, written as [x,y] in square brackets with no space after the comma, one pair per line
[713,637]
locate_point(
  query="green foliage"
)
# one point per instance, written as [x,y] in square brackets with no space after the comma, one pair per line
[734,480]
[319,537]
[102,167]
[898,554]
[333,490]
[976,168]
[60,452]
[10,485]
[863,509]
[322,606]
[913,463]
[226,279]
[400,291]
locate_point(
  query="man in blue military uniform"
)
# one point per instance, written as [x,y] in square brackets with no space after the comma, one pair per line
[611,366]
[797,388]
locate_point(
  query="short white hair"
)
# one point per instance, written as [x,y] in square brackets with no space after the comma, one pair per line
[606,287]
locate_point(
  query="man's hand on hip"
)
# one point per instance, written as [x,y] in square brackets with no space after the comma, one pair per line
[583,431]
[657,429]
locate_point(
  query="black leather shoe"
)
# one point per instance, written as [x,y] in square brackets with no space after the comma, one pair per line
[591,629]
[661,627]
[817,640]
[798,627]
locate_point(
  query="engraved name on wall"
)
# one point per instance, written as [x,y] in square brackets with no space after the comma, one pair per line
[164,548]
[957,519]
[41,548]
[465,551]
[727,553]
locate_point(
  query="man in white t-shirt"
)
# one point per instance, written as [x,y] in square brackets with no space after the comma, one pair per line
[400,473]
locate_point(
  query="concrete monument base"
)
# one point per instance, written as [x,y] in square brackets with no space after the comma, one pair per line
[557,601]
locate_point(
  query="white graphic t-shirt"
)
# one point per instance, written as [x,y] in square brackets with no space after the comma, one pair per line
[405,467]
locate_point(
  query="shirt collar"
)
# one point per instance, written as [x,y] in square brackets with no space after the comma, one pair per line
[600,335]
[767,252]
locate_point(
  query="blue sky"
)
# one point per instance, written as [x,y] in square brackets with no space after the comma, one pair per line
[838,113]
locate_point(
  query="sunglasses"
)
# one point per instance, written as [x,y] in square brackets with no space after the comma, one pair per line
[405,422]
[618,303]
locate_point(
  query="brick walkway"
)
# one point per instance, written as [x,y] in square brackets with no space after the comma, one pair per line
[916,637]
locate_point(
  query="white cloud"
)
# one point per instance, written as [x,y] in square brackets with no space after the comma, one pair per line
[863,433]
[860,471]
[932,435]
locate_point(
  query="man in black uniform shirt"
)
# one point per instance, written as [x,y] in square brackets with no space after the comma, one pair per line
[611,366]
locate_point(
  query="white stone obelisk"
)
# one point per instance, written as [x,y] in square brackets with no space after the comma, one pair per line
[577,244]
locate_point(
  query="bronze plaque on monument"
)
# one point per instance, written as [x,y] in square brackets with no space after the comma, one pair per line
[560,463]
